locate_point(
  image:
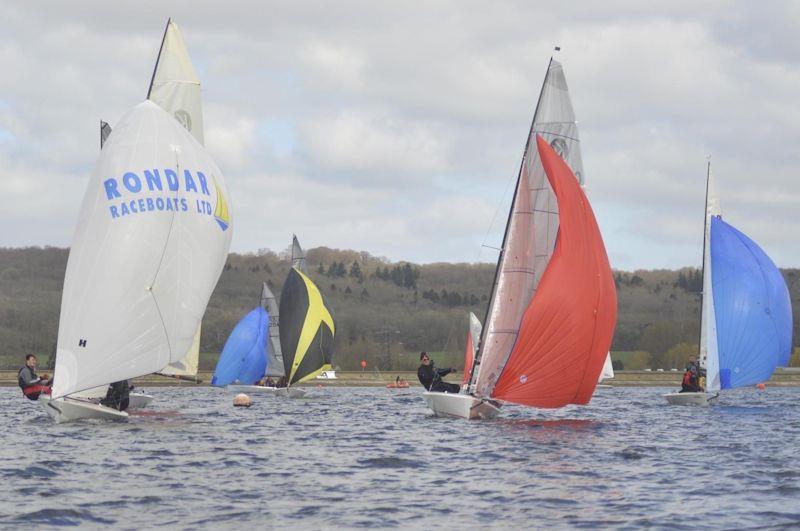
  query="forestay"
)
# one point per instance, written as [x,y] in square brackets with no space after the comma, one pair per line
[274,353]
[531,231]
[145,257]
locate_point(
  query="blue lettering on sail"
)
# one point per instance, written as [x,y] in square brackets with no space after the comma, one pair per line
[157,190]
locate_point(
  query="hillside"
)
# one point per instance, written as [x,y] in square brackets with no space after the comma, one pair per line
[380,307]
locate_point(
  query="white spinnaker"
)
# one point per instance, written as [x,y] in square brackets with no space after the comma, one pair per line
[137,284]
[709,353]
[532,228]
[275,354]
[608,369]
[298,256]
[175,85]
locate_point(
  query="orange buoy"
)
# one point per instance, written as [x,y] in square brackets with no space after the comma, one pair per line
[761,386]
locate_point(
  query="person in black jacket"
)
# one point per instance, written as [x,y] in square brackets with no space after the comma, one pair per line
[431,378]
[31,384]
[118,395]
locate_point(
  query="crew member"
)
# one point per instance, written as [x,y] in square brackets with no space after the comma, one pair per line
[691,378]
[118,395]
[31,384]
[431,378]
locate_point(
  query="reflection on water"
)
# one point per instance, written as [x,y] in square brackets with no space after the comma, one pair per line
[378,458]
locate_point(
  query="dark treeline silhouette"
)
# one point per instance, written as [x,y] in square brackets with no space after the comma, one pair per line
[385,312]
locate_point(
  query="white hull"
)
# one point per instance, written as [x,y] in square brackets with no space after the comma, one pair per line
[327,375]
[689,399]
[292,392]
[69,409]
[139,400]
[460,405]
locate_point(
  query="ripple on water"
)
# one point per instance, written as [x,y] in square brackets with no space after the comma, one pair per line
[370,458]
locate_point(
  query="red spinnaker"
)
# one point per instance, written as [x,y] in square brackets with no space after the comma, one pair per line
[567,328]
[469,356]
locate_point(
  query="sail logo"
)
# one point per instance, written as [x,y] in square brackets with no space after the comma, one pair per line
[221,213]
[157,190]
[184,118]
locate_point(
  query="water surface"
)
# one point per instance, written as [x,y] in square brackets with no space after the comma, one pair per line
[366,457]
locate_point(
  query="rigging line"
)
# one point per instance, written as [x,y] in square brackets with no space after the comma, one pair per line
[494,218]
[163,254]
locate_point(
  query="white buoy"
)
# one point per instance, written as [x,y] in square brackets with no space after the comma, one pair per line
[242,400]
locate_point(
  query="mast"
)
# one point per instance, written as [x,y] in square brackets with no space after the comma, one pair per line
[702,354]
[486,325]
[158,58]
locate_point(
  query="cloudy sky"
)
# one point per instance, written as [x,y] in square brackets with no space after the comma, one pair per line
[397,127]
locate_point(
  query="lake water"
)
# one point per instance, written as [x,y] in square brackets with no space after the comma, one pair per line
[359,457]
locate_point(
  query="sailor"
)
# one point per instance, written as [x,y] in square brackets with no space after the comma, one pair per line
[431,378]
[31,384]
[118,395]
[690,383]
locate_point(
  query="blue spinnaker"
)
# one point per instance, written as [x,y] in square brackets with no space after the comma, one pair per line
[244,357]
[752,307]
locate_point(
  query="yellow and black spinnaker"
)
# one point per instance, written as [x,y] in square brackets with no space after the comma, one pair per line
[306,329]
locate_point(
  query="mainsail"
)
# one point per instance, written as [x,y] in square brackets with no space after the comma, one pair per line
[144,259]
[298,256]
[567,328]
[244,356]
[473,338]
[275,356]
[531,230]
[748,300]
[306,329]
[608,369]
[175,87]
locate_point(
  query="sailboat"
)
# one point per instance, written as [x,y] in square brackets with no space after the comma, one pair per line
[552,311]
[746,311]
[145,258]
[307,327]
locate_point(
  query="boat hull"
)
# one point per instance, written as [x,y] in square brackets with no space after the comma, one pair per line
[291,392]
[461,405]
[71,409]
[139,400]
[689,399]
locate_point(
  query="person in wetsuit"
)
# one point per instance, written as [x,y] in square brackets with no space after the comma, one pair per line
[118,395]
[31,384]
[431,378]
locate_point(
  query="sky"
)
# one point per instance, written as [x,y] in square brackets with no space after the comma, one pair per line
[397,128]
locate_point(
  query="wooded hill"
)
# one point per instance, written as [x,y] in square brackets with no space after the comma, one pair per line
[385,312]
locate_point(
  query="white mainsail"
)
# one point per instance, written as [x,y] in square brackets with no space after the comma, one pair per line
[608,369]
[709,355]
[175,87]
[298,256]
[147,252]
[531,231]
[274,354]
